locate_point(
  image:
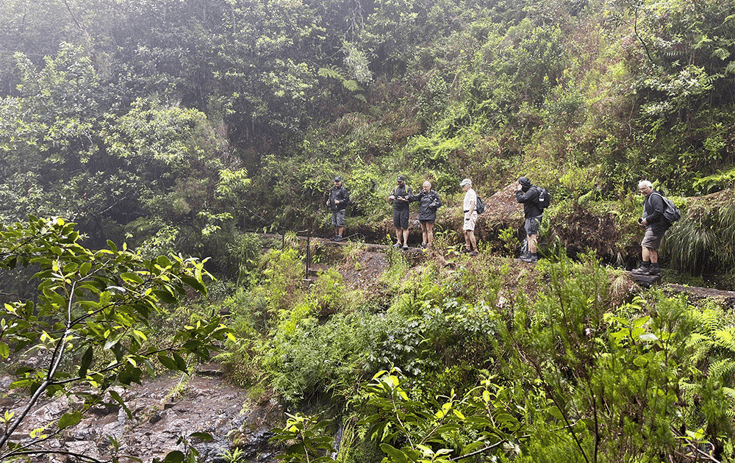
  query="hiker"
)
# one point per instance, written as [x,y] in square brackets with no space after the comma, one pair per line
[656,225]
[470,216]
[339,199]
[528,194]
[429,202]
[400,197]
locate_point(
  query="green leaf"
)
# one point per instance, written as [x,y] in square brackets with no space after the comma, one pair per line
[85,268]
[165,296]
[194,283]
[174,457]
[180,362]
[168,362]
[86,362]
[69,419]
[4,350]
[116,397]
[204,436]
[131,277]
[395,454]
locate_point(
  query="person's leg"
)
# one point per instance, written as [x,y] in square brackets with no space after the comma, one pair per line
[405,236]
[532,244]
[649,254]
[429,234]
[339,224]
[473,241]
[424,236]
[467,241]
[531,227]
[399,234]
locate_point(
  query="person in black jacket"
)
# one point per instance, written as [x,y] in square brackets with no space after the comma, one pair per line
[400,197]
[429,202]
[656,225]
[528,194]
[339,199]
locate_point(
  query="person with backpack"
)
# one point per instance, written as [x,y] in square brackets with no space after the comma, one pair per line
[656,224]
[400,196]
[339,199]
[429,202]
[470,216]
[534,204]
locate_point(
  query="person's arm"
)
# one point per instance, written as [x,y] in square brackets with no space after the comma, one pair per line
[473,202]
[657,204]
[437,202]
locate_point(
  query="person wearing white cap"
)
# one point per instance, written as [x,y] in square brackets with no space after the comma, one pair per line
[470,216]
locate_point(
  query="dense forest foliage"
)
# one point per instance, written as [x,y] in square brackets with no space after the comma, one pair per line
[176,126]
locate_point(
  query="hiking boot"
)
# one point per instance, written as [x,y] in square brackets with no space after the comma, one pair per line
[338,238]
[397,245]
[654,271]
[423,245]
[642,270]
[530,257]
[405,247]
[473,253]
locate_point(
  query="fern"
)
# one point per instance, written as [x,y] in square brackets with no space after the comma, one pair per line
[331,72]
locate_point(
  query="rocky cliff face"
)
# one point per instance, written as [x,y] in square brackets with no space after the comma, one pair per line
[164,410]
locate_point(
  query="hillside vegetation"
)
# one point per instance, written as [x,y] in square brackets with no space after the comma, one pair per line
[170,124]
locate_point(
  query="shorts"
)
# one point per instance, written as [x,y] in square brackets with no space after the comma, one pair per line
[532,225]
[650,240]
[400,218]
[338,218]
[469,224]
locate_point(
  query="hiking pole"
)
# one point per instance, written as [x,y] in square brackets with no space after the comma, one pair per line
[308,253]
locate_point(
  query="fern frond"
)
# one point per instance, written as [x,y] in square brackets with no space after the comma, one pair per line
[722,371]
[721,53]
[331,72]
[352,85]
[725,339]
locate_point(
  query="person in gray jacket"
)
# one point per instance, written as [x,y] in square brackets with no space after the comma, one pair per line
[655,223]
[339,199]
[429,202]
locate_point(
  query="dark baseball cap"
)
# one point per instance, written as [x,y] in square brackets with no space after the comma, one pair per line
[338,179]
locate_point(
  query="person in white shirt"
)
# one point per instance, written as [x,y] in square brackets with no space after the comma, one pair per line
[470,216]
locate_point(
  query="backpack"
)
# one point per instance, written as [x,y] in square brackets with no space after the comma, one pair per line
[671,212]
[479,207]
[544,198]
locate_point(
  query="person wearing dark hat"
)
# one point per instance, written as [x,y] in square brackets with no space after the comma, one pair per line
[400,196]
[470,216]
[339,199]
[528,195]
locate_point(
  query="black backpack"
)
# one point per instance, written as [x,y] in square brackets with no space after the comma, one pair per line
[544,198]
[479,207]
[671,212]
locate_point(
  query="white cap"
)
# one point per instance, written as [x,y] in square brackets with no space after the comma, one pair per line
[466,182]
